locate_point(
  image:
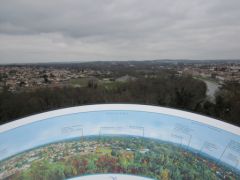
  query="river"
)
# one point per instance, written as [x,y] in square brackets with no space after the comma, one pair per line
[212,88]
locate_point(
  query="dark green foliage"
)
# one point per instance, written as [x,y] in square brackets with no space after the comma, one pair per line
[165,90]
[228,102]
[227,105]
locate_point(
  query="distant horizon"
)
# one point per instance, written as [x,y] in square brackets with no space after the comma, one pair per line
[130,60]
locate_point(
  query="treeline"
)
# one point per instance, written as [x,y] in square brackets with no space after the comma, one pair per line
[227,105]
[169,90]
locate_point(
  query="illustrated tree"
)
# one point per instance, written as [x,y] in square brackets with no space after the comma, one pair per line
[165,174]
[106,163]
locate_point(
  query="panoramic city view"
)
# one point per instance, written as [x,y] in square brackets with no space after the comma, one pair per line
[206,87]
[119,90]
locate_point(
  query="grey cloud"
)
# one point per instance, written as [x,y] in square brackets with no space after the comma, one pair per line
[118,29]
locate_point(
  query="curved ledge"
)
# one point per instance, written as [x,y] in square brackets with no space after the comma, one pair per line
[130,107]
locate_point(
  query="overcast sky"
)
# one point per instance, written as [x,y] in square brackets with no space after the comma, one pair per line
[86,30]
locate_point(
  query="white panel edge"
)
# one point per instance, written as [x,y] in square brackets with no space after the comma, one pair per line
[130,107]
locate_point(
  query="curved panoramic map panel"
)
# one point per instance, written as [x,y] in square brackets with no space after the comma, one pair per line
[117,142]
